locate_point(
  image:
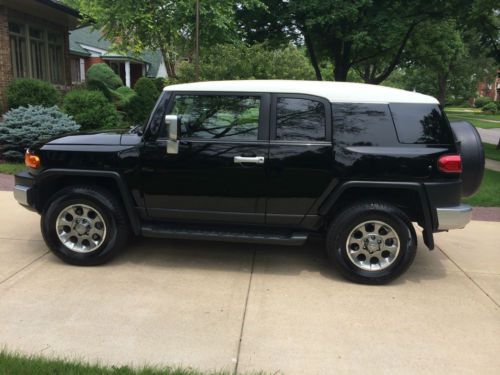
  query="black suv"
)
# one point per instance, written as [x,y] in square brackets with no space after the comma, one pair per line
[263,162]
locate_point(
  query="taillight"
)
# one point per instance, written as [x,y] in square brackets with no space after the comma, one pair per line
[31,160]
[450,164]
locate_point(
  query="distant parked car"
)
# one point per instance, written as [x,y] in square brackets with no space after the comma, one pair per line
[263,162]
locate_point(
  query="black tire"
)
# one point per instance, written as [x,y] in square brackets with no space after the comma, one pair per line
[103,202]
[351,217]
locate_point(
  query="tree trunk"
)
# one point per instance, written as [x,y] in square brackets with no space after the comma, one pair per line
[341,52]
[312,56]
[169,64]
[442,88]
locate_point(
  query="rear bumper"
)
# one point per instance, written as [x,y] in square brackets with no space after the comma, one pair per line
[456,217]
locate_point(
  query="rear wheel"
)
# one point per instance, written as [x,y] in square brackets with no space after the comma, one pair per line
[84,225]
[371,242]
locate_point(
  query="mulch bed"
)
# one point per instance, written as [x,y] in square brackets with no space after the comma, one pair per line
[478,213]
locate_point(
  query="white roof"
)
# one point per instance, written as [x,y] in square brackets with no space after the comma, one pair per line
[340,92]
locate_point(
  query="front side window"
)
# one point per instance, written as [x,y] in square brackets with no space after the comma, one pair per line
[218,116]
[300,119]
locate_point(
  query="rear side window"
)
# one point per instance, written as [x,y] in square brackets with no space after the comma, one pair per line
[421,123]
[359,124]
[300,119]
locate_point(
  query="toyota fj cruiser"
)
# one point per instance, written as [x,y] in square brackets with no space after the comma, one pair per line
[263,162]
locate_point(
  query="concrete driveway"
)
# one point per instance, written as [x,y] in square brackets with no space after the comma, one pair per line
[251,308]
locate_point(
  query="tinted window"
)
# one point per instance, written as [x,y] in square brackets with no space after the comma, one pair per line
[362,125]
[300,119]
[218,116]
[420,123]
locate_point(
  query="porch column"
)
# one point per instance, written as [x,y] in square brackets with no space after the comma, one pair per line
[82,70]
[127,73]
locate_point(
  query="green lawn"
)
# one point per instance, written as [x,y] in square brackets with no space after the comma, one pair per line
[475,116]
[26,365]
[11,168]
[491,152]
[489,192]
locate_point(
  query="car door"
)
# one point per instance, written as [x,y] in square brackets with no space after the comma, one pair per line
[218,174]
[300,166]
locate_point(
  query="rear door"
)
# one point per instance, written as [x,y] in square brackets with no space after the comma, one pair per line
[218,174]
[300,164]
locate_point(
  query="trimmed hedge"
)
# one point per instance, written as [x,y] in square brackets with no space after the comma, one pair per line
[27,91]
[103,73]
[91,109]
[140,106]
[23,126]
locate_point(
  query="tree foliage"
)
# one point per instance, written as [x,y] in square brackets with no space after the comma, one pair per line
[249,62]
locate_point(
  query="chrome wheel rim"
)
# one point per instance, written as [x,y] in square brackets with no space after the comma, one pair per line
[373,245]
[81,228]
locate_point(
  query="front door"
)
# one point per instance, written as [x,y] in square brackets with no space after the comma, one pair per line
[218,174]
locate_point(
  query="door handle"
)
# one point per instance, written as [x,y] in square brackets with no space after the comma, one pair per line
[249,159]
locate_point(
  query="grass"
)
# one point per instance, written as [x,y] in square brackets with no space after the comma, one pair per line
[13,363]
[475,116]
[11,168]
[489,192]
[491,152]
[474,120]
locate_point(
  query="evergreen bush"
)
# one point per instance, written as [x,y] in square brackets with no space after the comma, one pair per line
[91,109]
[26,91]
[23,126]
[490,107]
[103,73]
[140,105]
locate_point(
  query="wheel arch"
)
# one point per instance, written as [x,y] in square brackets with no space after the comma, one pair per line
[410,197]
[52,180]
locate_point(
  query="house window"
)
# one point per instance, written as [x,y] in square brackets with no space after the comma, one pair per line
[36,53]
[75,71]
[55,48]
[18,51]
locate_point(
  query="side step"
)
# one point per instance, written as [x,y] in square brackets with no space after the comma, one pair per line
[245,235]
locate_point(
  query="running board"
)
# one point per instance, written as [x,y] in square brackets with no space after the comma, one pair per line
[245,235]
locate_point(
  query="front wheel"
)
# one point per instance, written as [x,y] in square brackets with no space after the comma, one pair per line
[84,225]
[371,242]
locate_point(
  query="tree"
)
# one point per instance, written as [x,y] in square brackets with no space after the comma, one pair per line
[166,25]
[370,36]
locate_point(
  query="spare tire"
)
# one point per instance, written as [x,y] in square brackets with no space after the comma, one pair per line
[472,154]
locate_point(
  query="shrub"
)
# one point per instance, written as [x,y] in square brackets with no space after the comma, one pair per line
[26,91]
[23,126]
[482,101]
[140,105]
[103,73]
[490,107]
[90,109]
[159,83]
[124,95]
[95,85]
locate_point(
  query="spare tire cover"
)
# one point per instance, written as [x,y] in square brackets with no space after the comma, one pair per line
[472,154]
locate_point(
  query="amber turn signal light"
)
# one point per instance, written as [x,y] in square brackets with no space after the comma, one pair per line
[31,160]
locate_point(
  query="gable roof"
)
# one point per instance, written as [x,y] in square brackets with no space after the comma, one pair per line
[84,40]
[340,92]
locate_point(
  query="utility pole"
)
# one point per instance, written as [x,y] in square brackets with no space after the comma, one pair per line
[197,42]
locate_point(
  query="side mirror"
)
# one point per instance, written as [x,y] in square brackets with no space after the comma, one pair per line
[172,124]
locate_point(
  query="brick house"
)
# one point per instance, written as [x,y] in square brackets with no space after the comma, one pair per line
[34,41]
[89,46]
[490,87]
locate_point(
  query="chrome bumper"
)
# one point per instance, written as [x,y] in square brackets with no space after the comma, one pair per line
[454,217]
[21,194]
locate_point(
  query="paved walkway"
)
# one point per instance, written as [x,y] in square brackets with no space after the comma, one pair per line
[246,308]
[494,165]
[489,135]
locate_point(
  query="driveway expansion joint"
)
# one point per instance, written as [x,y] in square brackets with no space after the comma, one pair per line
[23,268]
[244,313]
[470,278]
